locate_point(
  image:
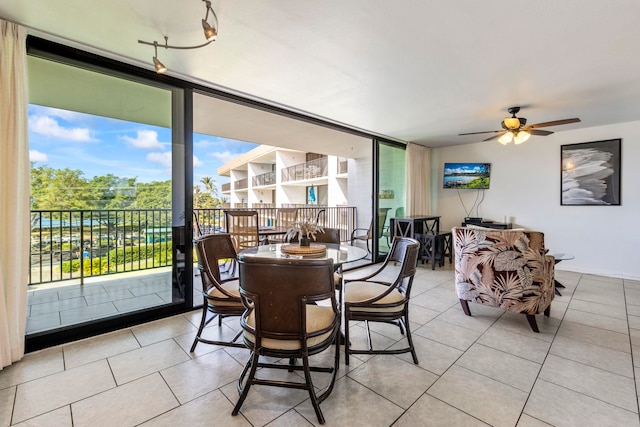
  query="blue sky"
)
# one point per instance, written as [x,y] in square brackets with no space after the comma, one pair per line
[99,146]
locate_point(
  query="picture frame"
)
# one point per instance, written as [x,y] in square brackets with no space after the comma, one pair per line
[590,173]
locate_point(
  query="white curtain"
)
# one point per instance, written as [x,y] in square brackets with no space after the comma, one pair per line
[418,180]
[14,192]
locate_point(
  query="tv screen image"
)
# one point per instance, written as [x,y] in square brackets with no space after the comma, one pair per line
[467,175]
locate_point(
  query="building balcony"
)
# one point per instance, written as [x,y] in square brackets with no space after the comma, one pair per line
[241,184]
[312,169]
[264,179]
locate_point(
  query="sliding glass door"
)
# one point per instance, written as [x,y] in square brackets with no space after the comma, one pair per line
[108,201]
[390,188]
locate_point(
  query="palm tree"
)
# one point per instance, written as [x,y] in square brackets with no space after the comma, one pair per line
[210,186]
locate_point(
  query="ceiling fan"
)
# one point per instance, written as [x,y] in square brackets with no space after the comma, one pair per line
[515,128]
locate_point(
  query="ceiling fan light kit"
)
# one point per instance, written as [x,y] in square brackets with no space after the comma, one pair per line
[209,27]
[515,129]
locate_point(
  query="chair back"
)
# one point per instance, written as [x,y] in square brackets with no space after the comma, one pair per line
[403,227]
[321,216]
[243,228]
[329,235]
[286,216]
[213,248]
[382,218]
[404,250]
[278,291]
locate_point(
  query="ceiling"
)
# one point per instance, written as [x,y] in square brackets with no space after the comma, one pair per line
[420,71]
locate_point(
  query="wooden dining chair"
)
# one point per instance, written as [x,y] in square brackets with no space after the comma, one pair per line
[243,228]
[221,296]
[291,312]
[377,298]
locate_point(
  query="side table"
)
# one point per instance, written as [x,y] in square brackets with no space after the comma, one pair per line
[435,247]
[560,257]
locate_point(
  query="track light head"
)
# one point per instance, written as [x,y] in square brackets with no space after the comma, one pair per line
[209,26]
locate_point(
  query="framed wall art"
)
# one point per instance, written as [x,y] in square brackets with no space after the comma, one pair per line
[590,173]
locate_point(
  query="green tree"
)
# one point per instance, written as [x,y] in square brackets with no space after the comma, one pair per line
[210,198]
[112,192]
[153,195]
[59,189]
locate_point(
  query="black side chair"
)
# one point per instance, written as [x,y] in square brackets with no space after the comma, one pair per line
[373,298]
[221,296]
[283,320]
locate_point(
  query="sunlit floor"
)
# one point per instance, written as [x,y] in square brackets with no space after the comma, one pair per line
[61,304]
[489,369]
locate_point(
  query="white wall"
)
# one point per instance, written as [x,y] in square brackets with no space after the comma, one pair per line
[525,185]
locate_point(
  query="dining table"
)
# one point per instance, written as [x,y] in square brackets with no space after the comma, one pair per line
[339,253]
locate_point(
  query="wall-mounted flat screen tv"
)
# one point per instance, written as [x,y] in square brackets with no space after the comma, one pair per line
[467,175]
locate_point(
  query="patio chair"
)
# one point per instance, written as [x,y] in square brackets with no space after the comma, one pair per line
[382,218]
[243,228]
[284,321]
[377,298]
[221,296]
[284,218]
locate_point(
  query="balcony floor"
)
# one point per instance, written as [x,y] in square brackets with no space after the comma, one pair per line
[67,302]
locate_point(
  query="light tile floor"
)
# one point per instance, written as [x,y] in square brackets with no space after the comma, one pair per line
[66,303]
[489,369]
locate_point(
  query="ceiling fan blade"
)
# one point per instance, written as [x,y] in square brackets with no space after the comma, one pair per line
[493,137]
[540,132]
[476,133]
[554,123]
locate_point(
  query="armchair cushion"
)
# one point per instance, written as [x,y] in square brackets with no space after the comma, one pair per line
[504,268]
[318,318]
[363,291]
[214,295]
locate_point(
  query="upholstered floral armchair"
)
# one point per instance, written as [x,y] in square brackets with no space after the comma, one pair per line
[508,269]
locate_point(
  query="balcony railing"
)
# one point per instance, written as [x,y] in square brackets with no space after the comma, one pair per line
[70,245]
[82,243]
[241,184]
[309,170]
[226,187]
[268,178]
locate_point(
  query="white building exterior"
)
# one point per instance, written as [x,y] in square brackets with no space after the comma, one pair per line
[278,177]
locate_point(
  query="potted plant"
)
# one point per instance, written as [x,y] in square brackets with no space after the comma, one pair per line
[305,229]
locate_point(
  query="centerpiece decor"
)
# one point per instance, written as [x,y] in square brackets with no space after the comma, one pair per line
[305,230]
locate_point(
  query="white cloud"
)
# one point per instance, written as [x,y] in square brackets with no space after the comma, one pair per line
[45,125]
[66,115]
[224,156]
[37,156]
[147,139]
[163,159]
[203,144]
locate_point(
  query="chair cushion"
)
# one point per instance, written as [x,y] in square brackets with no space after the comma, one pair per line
[318,317]
[362,291]
[231,287]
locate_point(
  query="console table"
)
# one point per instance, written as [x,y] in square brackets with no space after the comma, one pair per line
[490,224]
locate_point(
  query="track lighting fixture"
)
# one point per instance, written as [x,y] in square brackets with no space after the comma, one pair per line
[209,26]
